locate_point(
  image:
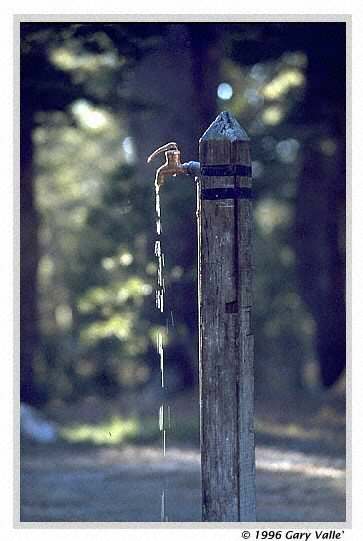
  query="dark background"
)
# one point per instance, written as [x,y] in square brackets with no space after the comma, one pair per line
[96,100]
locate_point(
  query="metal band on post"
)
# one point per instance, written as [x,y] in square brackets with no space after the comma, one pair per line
[226,170]
[213,194]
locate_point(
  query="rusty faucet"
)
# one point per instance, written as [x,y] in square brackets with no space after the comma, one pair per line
[172,165]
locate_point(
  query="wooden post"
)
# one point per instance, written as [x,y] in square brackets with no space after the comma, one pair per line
[225,339]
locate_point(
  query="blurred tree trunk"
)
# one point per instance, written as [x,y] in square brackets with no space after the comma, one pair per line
[28,261]
[43,87]
[320,209]
[320,252]
[178,83]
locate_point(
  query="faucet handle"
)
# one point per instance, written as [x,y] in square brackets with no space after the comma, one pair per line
[164,148]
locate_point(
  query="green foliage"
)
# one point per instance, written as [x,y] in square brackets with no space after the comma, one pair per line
[93,279]
[97,270]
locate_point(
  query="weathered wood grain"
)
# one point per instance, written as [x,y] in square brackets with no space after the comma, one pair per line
[225,339]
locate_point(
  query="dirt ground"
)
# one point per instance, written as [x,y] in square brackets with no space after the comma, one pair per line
[300,476]
[138,484]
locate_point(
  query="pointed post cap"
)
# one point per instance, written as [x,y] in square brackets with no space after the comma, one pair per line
[225,127]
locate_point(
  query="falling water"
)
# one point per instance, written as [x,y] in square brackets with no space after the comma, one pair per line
[163,516]
[160,348]
[157,207]
[164,410]
[160,289]
[164,423]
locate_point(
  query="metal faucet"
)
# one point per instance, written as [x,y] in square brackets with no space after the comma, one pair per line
[172,165]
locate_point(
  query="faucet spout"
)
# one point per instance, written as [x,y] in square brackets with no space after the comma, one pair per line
[172,165]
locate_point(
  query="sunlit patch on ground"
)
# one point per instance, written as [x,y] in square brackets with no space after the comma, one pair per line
[270,459]
[116,431]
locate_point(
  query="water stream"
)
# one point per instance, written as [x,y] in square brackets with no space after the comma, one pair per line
[164,409]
